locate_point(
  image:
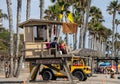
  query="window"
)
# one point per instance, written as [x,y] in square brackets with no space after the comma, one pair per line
[40,33]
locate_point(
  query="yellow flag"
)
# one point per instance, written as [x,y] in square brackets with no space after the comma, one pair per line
[70,17]
[61,15]
[62,7]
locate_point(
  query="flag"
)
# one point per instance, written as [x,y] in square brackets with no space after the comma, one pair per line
[62,7]
[61,15]
[70,17]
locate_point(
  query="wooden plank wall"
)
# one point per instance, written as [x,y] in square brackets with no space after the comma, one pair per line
[34,48]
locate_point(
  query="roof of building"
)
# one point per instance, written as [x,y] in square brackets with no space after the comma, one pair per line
[32,22]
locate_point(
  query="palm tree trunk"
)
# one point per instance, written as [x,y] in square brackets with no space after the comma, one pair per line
[74,41]
[19,3]
[66,38]
[81,32]
[1,21]
[28,9]
[100,44]
[94,42]
[113,34]
[86,23]
[90,41]
[41,9]
[9,8]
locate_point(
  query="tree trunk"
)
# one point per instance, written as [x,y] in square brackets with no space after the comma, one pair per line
[9,8]
[94,42]
[19,3]
[74,41]
[86,23]
[66,38]
[113,34]
[90,41]
[28,9]
[81,32]
[41,9]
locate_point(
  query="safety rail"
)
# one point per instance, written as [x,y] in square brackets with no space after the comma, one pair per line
[38,49]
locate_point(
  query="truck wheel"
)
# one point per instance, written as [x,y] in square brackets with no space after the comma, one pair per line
[85,78]
[80,75]
[54,77]
[47,75]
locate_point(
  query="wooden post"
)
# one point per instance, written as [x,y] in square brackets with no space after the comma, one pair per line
[97,63]
[42,49]
[49,51]
[33,73]
[67,71]
[92,66]
[56,51]
[48,38]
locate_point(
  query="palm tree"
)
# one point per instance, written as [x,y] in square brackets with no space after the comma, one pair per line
[19,3]
[96,18]
[28,9]
[97,31]
[9,8]
[77,19]
[86,22]
[81,5]
[117,22]
[113,8]
[4,40]
[54,11]
[41,9]
[2,15]
[96,14]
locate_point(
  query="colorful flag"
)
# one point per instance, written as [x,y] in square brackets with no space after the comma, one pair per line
[70,17]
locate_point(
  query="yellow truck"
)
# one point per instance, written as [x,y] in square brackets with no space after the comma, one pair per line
[76,65]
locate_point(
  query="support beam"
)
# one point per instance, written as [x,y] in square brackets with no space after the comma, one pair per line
[67,71]
[33,73]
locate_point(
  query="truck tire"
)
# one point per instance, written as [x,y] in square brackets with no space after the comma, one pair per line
[47,75]
[85,78]
[54,77]
[80,75]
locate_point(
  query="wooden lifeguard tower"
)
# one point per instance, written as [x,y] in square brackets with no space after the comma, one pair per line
[36,34]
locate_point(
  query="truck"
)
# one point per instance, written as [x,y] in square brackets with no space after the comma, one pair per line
[76,65]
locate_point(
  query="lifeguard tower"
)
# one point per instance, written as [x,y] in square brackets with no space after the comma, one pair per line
[36,34]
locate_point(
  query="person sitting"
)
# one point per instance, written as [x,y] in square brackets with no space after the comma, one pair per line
[63,47]
[54,44]
[47,45]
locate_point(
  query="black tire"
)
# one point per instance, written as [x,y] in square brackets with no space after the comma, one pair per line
[47,75]
[54,77]
[80,75]
[85,78]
